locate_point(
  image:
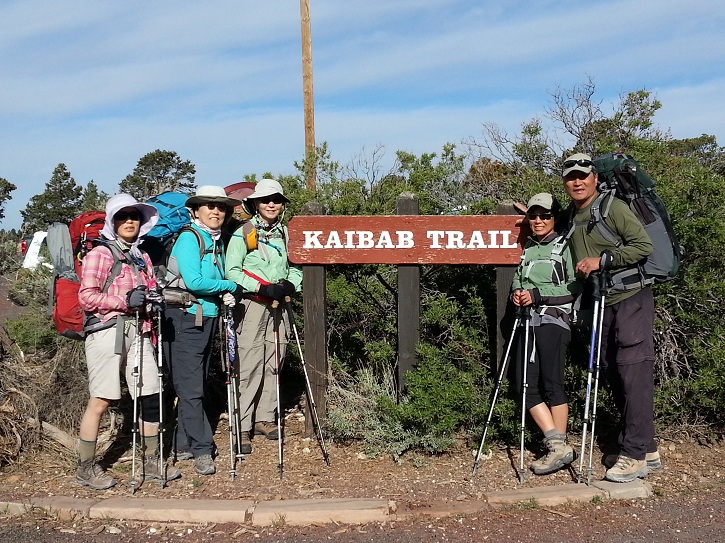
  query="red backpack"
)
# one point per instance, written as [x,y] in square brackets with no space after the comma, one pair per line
[68,245]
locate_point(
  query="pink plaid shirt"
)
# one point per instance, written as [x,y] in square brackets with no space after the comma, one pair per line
[97,265]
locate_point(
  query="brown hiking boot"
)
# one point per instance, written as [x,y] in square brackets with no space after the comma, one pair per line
[90,474]
[558,455]
[245,443]
[626,470]
[652,458]
[151,470]
[267,429]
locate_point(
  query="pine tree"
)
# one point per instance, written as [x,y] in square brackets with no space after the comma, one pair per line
[6,187]
[60,202]
[157,172]
[93,198]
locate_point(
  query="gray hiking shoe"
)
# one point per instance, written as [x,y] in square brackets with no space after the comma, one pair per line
[267,429]
[93,476]
[181,455]
[245,443]
[558,456]
[626,470]
[151,469]
[204,465]
[653,460]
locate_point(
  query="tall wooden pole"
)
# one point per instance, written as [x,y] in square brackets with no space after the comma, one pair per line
[309,102]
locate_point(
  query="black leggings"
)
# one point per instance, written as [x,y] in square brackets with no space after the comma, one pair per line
[545,375]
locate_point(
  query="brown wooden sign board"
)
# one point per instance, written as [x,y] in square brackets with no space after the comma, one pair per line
[405,239]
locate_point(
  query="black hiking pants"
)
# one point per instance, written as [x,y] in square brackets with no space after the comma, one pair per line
[628,366]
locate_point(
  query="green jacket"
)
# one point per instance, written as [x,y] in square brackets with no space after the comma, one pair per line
[546,270]
[588,242]
[267,262]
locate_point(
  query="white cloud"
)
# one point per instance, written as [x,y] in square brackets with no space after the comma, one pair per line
[98,85]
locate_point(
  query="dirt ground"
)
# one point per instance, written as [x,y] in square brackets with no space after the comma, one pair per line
[413,481]
[692,466]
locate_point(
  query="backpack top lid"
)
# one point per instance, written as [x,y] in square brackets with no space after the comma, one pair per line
[173,214]
[85,231]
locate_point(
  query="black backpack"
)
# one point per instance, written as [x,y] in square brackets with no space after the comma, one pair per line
[622,177]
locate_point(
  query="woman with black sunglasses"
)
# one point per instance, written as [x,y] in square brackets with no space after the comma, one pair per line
[114,293]
[196,265]
[545,284]
[265,276]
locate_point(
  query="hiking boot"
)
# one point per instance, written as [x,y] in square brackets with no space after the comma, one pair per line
[181,455]
[268,429]
[245,443]
[653,460]
[94,476]
[204,465]
[558,455]
[151,469]
[626,470]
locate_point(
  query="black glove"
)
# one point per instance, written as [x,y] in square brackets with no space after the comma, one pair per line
[155,302]
[238,293]
[135,298]
[276,292]
[289,288]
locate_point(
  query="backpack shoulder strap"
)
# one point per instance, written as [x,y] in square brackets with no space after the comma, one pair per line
[202,246]
[119,257]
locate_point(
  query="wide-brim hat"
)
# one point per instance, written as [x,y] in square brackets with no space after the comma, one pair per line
[149,214]
[267,187]
[211,193]
[543,200]
[578,162]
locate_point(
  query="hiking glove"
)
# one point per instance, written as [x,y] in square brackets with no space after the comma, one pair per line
[228,299]
[135,298]
[289,288]
[155,302]
[276,292]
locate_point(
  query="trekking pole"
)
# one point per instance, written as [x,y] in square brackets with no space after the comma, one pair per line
[310,398]
[232,400]
[601,292]
[275,320]
[594,354]
[136,388]
[160,367]
[524,386]
[501,375]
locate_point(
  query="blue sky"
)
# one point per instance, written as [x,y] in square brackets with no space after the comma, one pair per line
[97,85]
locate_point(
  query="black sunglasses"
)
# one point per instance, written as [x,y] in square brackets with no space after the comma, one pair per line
[126,215]
[542,216]
[572,163]
[216,205]
[271,199]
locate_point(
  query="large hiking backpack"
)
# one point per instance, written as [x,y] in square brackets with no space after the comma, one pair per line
[173,216]
[68,244]
[622,177]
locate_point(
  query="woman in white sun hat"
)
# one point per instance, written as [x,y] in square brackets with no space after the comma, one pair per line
[196,267]
[264,273]
[118,324]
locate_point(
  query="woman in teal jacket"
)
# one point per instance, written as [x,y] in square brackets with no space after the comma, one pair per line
[264,273]
[196,271]
[545,284]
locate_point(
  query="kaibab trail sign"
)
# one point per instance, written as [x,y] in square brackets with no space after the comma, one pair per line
[405,239]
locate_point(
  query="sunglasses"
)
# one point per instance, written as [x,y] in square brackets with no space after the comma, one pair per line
[572,163]
[542,216]
[277,200]
[216,205]
[126,215]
